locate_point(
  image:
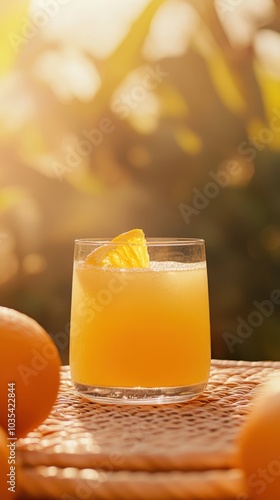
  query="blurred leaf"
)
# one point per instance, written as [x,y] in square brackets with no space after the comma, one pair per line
[270,86]
[231,68]
[221,76]
[13,16]
[126,57]
[188,140]
[225,84]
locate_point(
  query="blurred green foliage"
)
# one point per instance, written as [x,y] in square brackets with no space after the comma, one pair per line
[176,129]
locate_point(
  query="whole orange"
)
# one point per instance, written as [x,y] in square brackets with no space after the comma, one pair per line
[9,468]
[259,444]
[29,381]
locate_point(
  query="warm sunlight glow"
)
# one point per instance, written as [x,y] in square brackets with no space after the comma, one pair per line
[105,22]
[174,21]
[242,171]
[240,18]
[136,102]
[69,74]
[267,46]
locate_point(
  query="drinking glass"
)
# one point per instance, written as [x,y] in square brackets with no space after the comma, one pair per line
[141,336]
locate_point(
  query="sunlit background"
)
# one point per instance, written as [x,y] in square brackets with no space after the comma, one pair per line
[160,114]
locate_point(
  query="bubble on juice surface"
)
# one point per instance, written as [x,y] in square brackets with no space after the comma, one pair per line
[155,266]
[176,266]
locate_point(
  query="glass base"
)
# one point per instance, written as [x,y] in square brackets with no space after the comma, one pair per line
[140,395]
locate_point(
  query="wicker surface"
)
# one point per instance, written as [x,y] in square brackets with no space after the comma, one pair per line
[86,450]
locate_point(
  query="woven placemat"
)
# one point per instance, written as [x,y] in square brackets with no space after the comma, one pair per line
[86,450]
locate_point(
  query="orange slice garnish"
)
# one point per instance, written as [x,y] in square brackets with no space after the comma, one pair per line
[128,250]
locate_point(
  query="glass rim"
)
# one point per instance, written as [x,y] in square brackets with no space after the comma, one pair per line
[150,242]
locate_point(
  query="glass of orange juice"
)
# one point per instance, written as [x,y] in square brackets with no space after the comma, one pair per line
[140,328]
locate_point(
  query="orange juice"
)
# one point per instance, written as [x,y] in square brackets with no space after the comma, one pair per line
[140,328]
